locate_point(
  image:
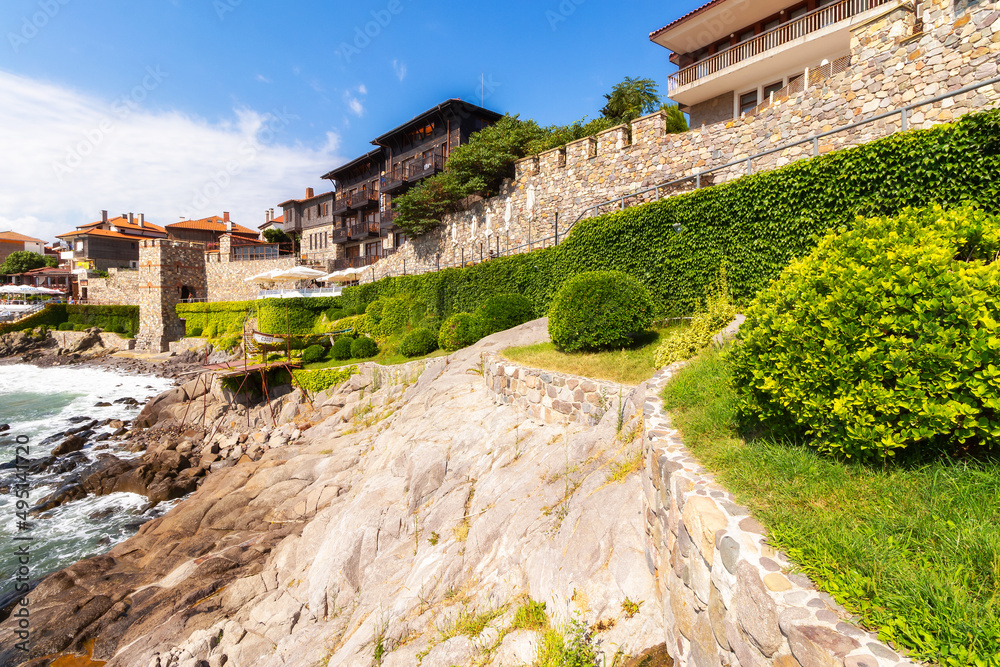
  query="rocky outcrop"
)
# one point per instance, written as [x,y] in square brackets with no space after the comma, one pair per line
[376,518]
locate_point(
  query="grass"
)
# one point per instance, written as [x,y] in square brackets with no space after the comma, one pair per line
[913,550]
[629,366]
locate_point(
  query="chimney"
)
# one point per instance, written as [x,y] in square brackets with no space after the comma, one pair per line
[104,217]
[267,216]
[229,223]
[309,193]
[131,218]
[142,219]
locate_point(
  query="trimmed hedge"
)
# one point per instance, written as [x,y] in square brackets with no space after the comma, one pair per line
[297,316]
[363,348]
[883,338]
[503,311]
[313,354]
[418,343]
[458,331]
[598,310]
[342,348]
[321,380]
[52,316]
[754,225]
[116,319]
[214,319]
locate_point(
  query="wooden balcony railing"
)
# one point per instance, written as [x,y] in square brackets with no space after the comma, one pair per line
[354,262]
[364,198]
[787,32]
[340,234]
[340,204]
[364,230]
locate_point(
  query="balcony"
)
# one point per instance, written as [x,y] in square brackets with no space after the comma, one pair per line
[340,204]
[396,180]
[363,198]
[389,218]
[340,235]
[354,262]
[426,167]
[364,230]
[814,36]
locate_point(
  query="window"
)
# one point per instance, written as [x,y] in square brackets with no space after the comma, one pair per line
[745,36]
[772,88]
[373,249]
[326,209]
[799,13]
[771,25]
[79,246]
[748,101]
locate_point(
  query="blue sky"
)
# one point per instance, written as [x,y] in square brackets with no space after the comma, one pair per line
[191,107]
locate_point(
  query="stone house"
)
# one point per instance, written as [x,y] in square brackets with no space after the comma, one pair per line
[208,230]
[109,242]
[734,55]
[313,219]
[11,242]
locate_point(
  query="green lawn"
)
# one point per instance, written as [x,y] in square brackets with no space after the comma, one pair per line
[629,366]
[913,550]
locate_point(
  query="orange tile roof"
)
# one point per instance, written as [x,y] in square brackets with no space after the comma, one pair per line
[212,224]
[280,220]
[101,232]
[14,236]
[122,221]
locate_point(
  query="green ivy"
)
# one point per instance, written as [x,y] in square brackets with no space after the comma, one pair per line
[52,316]
[321,380]
[754,226]
[116,319]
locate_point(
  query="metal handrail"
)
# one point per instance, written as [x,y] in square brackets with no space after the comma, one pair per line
[786,32]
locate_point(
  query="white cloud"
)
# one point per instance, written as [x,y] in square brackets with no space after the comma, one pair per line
[362,89]
[263,79]
[352,101]
[400,69]
[70,155]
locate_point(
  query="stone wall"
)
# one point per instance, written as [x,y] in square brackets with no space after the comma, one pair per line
[110,341]
[728,598]
[167,271]
[716,110]
[120,288]
[548,396]
[897,60]
[227,281]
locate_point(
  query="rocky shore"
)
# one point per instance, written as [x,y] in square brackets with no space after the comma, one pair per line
[365,525]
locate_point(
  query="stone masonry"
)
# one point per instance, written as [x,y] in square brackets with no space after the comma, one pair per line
[167,270]
[909,53]
[728,598]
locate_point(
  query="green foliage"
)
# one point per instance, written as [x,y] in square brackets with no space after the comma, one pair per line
[884,337]
[52,316]
[313,354]
[597,310]
[275,235]
[66,326]
[574,648]
[422,208]
[555,136]
[754,225]
[51,262]
[363,348]
[686,342]
[295,316]
[489,156]
[320,380]
[116,319]
[458,331]
[503,311]
[21,261]
[418,343]
[342,348]
[214,319]
[395,316]
[676,121]
[630,99]
[530,616]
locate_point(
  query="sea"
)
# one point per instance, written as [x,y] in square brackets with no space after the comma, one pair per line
[36,403]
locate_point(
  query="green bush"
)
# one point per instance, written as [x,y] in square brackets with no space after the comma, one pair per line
[313,354]
[116,319]
[363,348]
[53,316]
[323,379]
[341,350]
[754,225]
[418,343]
[458,331]
[296,316]
[689,341]
[504,311]
[418,313]
[66,326]
[214,319]
[884,337]
[597,310]
[395,315]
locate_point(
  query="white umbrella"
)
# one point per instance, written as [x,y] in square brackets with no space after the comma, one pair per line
[18,289]
[298,273]
[267,276]
[46,290]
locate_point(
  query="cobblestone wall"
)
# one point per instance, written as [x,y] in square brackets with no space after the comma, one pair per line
[548,396]
[120,288]
[728,598]
[897,60]
[168,271]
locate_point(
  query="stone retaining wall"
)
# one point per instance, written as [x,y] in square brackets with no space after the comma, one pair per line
[548,396]
[111,341]
[897,60]
[728,598]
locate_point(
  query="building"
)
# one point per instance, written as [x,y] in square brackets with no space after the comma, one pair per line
[109,242]
[353,225]
[734,55]
[271,222]
[208,230]
[11,242]
[50,277]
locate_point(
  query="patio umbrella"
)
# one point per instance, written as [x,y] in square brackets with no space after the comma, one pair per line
[298,273]
[263,277]
[46,290]
[19,289]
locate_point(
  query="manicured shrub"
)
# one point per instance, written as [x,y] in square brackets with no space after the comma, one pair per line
[363,348]
[395,315]
[313,354]
[417,343]
[66,326]
[458,331]
[504,311]
[599,309]
[884,337]
[194,332]
[342,348]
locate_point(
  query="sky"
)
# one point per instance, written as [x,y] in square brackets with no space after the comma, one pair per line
[189,108]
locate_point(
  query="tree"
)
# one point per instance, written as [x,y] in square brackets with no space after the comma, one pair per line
[631,99]
[489,156]
[275,235]
[51,262]
[21,261]
[676,122]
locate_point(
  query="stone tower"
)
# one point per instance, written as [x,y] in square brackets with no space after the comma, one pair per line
[168,272]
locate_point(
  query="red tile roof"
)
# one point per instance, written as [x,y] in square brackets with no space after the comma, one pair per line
[14,236]
[107,233]
[212,224]
[280,220]
[122,222]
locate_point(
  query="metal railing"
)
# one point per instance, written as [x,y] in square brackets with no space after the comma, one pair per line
[810,76]
[773,38]
[363,197]
[300,293]
[492,247]
[363,230]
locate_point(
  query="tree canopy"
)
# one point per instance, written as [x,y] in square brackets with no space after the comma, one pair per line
[23,261]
